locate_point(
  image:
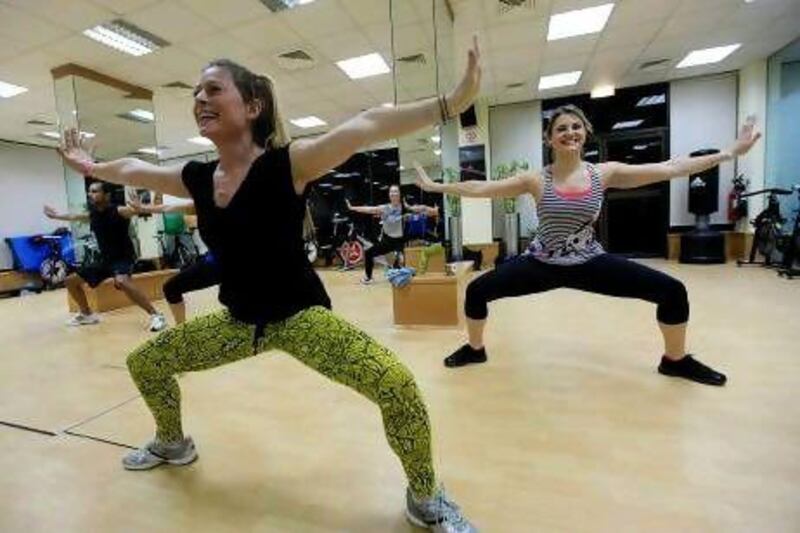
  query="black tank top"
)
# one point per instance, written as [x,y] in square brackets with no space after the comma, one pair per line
[112,233]
[257,240]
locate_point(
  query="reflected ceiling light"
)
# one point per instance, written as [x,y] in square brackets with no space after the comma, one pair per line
[308,122]
[436,138]
[563,79]
[640,147]
[626,124]
[49,135]
[202,141]
[387,104]
[125,37]
[363,66]
[578,22]
[707,55]
[656,99]
[437,152]
[7,90]
[603,91]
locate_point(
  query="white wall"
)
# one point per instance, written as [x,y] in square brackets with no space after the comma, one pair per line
[516,132]
[30,177]
[753,101]
[702,115]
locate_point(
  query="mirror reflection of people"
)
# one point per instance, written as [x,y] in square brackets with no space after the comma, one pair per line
[568,195]
[201,274]
[111,226]
[392,217]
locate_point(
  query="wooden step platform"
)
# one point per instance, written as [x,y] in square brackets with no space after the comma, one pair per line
[106,297]
[434,298]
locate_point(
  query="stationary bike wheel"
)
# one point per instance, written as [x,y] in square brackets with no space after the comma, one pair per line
[53,271]
[311,251]
[767,237]
[355,253]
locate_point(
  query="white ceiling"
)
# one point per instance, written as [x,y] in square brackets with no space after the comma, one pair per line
[37,35]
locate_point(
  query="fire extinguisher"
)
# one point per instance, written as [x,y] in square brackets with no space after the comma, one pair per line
[737,206]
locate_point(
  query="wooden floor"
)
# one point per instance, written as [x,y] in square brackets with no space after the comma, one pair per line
[568,428]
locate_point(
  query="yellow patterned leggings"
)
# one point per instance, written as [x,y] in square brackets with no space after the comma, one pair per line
[317,338]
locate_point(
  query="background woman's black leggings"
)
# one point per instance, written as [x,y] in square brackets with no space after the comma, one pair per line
[384,246]
[201,275]
[606,274]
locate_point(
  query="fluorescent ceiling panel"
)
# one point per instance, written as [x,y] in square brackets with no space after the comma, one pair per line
[579,22]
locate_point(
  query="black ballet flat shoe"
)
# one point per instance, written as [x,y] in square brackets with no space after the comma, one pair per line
[691,369]
[464,356]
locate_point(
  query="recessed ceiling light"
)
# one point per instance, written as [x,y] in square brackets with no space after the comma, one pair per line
[559,80]
[387,104]
[203,141]
[578,22]
[707,55]
[626,124]
[125,37]
[308,122]
[364,66]
[436,138]
[656,99]
[50,134]
[7,90]
[603,91]
[437,152]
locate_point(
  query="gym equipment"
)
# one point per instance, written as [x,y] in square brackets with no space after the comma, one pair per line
[767,225]
[703,245]
[53,269]
[28,255]
[347,243]
[792,251]
[182,254]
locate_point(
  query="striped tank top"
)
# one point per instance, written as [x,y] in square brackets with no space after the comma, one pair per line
[566,221]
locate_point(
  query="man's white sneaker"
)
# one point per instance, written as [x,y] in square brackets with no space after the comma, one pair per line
[79,319]
[157,322]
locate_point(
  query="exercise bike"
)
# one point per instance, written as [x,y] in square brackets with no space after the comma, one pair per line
[54,268]
[792,251]
[768,224]
[346,241]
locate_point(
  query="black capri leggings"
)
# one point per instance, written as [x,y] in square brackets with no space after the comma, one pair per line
[606,274]
[198,276]
[384,246]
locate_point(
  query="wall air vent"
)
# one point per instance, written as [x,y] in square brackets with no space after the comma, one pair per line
[282,5]
[654,65]
[295,59]
[416,59]
[177,85]
[511,6]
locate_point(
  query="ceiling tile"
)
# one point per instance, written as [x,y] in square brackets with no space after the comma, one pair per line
[170,21]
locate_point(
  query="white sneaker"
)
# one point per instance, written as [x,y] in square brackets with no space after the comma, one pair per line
[157,322]
[79,319]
